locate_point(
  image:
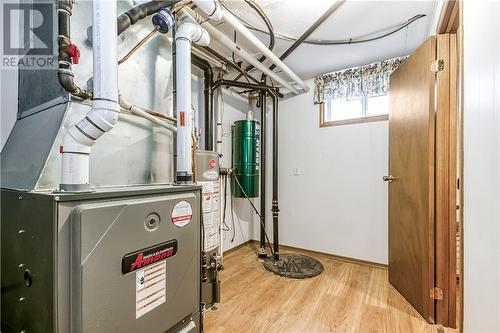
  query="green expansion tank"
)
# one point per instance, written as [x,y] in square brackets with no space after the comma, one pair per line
[246,158]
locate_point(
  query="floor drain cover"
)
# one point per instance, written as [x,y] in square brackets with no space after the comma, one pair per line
[295,266]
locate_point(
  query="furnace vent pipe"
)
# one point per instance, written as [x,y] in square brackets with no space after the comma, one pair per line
[235,23]
[233,47]
[188,32]
[214,10]
[77,143]
[211,8]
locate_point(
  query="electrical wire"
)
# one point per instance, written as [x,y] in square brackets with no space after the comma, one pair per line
[232,218]
[224,225]
[348,41]
[256,212]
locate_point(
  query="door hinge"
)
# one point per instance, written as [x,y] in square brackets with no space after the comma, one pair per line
[437,294]
[437,65]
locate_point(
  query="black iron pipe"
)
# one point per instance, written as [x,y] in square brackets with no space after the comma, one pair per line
[228,62]
[275,207]
[65,72]
[208,99]
[263,134]
[311,29]
[272,91]
[275,204]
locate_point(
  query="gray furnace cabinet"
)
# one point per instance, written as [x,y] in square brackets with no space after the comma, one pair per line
[115,260]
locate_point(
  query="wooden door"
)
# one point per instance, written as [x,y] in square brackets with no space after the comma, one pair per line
[411,190]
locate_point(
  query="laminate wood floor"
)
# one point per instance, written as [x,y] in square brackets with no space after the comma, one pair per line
[345,298]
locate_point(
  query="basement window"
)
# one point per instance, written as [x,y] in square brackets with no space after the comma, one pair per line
[367,108]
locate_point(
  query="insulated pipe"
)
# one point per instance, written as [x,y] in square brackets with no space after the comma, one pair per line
[208,96]
[189,31]
[79,139]
[135,14]
[232,46]
[139,12]
[234,22]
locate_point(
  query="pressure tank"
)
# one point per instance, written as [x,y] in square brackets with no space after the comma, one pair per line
[246,157]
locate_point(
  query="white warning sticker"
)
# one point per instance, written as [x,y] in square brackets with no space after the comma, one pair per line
[150,288]
[182,214]
[211,214]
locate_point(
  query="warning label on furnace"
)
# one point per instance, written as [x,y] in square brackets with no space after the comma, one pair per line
[182,214]
[150,289]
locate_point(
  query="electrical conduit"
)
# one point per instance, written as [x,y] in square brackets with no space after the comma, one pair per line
[77,143]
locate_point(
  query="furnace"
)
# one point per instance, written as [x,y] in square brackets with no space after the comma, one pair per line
[113,260]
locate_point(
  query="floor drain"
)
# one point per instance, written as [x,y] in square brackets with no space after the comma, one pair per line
[294,266]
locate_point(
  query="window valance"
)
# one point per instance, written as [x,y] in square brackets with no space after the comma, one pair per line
[355,82]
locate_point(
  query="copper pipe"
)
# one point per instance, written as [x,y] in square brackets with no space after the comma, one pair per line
[137,46]
[160,115]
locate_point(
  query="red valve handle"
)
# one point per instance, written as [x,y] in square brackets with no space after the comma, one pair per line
[74,53]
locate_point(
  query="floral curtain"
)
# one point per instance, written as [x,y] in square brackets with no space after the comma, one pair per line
[355,82]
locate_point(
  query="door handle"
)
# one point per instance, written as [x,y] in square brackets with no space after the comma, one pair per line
[389,178]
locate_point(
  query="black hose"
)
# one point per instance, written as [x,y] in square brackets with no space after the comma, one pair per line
[347,41]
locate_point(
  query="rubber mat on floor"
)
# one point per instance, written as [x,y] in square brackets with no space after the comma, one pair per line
[294,266]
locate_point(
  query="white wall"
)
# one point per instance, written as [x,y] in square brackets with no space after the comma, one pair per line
[338,203]
[481,166]
[242,215]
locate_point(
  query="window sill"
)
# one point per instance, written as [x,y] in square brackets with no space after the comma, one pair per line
[360,120]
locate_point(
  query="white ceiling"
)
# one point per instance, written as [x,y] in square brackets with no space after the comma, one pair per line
[353,19]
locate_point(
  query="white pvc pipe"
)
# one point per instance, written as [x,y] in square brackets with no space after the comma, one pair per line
[141,113]
[235,23]
[214,10]
[76,144]
[189,31]
[232,46]
[211,8]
